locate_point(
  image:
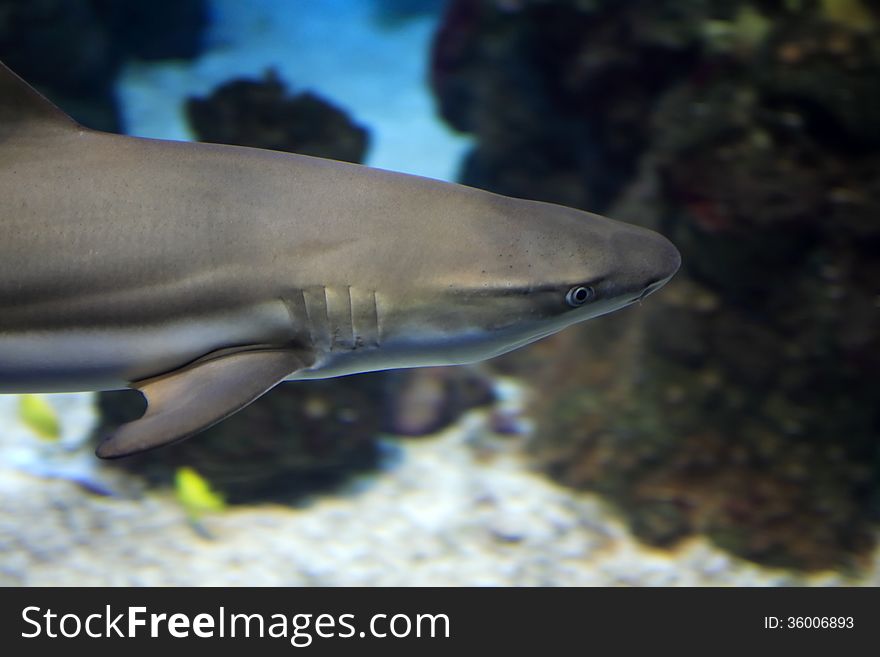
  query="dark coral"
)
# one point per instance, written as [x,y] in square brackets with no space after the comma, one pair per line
[740,402]
[556,93]
[261,114]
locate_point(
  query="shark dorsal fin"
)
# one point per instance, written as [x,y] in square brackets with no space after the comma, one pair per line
[24,108]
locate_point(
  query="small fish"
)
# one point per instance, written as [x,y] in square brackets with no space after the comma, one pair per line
[203,275]
[39,416]
[195,494]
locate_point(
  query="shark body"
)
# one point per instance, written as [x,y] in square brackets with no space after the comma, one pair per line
[203,275]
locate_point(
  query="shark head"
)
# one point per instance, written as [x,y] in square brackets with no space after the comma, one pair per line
[509,272]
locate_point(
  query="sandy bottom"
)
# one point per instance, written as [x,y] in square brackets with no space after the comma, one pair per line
[459,508]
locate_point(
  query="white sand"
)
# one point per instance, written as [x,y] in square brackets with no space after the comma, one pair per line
[460,508]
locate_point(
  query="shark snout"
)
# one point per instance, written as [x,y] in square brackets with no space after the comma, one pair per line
[665,260]
[650,260]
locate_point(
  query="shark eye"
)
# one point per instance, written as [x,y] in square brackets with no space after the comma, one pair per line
[578,296]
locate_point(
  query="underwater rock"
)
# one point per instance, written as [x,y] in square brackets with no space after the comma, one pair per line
[261,114]
[772,192]
[556,93]
[740,403]
[72,50]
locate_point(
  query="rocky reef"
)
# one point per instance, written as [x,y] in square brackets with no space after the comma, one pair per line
[72,50]
[740,402]
[557,93]
[261,114]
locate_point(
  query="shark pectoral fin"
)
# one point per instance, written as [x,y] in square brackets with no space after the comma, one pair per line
[186,401]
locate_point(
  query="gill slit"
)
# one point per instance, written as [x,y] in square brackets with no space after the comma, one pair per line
[327,309]
[308,317]
[378,322]
[354,337]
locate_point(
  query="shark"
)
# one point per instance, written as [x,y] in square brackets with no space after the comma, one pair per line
[203,275]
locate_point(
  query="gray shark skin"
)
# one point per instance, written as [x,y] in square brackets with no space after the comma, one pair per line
[203,275]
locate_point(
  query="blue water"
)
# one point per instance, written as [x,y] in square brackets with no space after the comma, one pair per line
[368,56]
